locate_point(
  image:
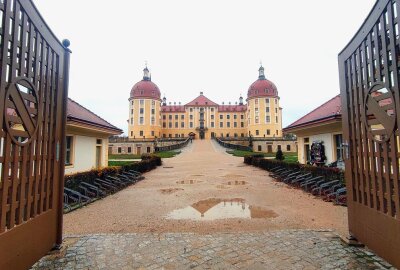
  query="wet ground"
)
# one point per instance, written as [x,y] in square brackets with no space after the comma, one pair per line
[206,209]
[193,192]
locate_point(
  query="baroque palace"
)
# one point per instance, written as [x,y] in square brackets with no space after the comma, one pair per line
[151,117]
[153,120]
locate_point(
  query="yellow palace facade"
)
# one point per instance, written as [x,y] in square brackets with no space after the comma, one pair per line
[151,117]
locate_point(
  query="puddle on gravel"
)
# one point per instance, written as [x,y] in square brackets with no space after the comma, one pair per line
[214,209]
[236,183]
[232,175]
[188,182]
[170,190]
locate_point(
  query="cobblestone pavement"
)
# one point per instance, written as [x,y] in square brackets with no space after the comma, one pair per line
[287,249]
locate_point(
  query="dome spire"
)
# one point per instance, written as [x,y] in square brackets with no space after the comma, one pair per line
[261,75]
[146,73]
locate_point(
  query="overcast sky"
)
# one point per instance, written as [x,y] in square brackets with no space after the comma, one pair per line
[212,46]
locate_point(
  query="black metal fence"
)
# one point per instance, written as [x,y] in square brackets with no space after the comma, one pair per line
[173,146]
[233,146]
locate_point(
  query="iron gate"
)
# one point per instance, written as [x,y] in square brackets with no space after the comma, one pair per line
[33,94]
[369,84]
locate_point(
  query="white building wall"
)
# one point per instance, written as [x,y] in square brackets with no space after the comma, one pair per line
[84,153]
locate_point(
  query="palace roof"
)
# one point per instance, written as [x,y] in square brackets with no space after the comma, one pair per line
[232,108]
[330,110]
[201,101]
[78,113]
[173,108]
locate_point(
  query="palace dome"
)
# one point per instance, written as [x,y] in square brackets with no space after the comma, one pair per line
[146,88]
[262,87]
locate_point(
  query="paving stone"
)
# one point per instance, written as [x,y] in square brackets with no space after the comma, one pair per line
[286,249]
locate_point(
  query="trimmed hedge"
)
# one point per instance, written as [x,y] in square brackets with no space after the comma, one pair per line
[148,163]
[268,164]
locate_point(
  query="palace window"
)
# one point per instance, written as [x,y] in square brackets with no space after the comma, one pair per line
[268,132]
[221,116]
[182,124]
[191,124]
[221,124]
[276,101]
[131,133]
[129,149]
[241,124]
[242,116]
[141,133]
[279,147]
[257,132]
[228,116]
[153,120]
[170,117]
[277,132]
[152,133]
[141,120]
[191,109]
[268,119]
[176,124]
[242,135]
[212,124]
[235,124]
[212,109]
[228,124]
[182,116]
[119,150]
[276,119]
[257,120]
[276,110]
[141,111]
[69,150]
[191,117]
[153,102]
[170,125]
[259,148]
[288,147]
[132,121]
[212,117]
[267,100]
[164,125]
[164,117]
[153,111]
[131,111]
[235,116]
[176,117]
[141,102]
[256,101]
[267,109]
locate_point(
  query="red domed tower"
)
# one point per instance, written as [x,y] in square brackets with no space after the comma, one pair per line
[144,109]
[264,116]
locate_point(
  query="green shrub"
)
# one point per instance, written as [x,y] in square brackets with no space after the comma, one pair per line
[72,181]
[268,164]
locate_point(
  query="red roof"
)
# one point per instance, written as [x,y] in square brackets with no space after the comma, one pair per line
[145,89]
[201,101]
[173,108]
[262,88]
[331,109]
[232,108]
[76,112]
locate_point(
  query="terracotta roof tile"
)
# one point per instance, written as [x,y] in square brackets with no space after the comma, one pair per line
[232,108]
[201,101]
[75,111]
[173,108]
[328,110]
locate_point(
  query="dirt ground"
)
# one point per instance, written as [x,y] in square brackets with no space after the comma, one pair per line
[214,192]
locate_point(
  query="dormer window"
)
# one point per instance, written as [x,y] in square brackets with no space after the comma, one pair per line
[141,92]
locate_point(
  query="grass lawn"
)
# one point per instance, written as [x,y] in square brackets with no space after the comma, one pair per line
[289,157]
[167,154]
[120,163]
[164,154]
[124,156]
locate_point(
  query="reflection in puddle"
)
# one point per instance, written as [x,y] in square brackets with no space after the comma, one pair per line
[213,209]
[188,182]
[237,183]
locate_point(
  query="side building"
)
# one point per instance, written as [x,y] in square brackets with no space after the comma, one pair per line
[87,139]
[321,128]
